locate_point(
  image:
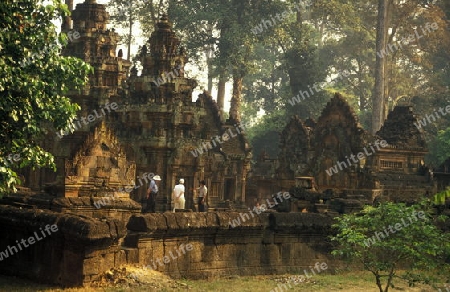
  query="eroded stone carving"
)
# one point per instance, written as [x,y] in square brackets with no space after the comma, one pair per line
[100,165]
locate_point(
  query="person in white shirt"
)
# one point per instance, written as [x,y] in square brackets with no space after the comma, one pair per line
[202,194]
[178,195]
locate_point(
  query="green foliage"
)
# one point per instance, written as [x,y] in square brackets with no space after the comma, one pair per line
[265,133]
[196,21]
[440,198]
[415,244]
[268,87]
[306,70]
[439,148]
[33,81]
[223,30]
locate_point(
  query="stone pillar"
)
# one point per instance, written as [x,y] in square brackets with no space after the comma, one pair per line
[243,190]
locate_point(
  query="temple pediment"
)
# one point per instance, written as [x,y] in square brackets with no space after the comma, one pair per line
[99,165]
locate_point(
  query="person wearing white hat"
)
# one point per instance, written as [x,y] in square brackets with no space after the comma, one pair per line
[178,195]
[152,192]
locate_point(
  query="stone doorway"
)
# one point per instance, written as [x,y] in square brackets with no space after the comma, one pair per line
[229,190]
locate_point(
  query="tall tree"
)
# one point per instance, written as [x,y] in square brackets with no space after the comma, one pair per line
[378,92]
[289,62]
[149,14]
[198,24]
[125,14]
[348,42]
[350,50]
[132,14]
[306,73]
[34,78]
[231,36]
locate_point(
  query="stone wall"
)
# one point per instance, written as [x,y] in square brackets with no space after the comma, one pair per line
[83,247]
[268,243]
[62,257]
[109,206]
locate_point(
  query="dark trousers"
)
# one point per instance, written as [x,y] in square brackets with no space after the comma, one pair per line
[151,203]
[201,206]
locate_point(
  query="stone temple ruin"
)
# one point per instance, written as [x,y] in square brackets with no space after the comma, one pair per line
[147,123]
[157,124]
[309,149]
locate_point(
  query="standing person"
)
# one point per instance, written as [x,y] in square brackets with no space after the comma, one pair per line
[202,194]
[152,192]
[178,195]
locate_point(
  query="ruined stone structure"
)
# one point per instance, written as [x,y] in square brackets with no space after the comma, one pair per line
[311,149]
[91,162]
[261,184]
[295,149]
[146,123]
[399,169]
[337,135]
[168,134]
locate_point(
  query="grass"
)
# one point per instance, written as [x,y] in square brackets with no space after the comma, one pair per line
[348,282]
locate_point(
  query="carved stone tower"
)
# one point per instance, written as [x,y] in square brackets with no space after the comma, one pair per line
[165,55]
[165,128]
[93,43]
[80,163]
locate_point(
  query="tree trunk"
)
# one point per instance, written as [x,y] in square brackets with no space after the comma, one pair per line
[130,33]
[209,58]
[380,287]
[235,106]
[387,71]
[152,13]
[210,79]
[379,90]
[221,92]
[362,101]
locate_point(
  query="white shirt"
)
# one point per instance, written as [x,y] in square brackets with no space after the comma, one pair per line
[178,191]
[202,191]
[153,186]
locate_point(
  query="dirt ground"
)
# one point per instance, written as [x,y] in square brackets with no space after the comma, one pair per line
[131,278]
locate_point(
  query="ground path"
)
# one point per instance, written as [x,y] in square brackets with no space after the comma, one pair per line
[138,279]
